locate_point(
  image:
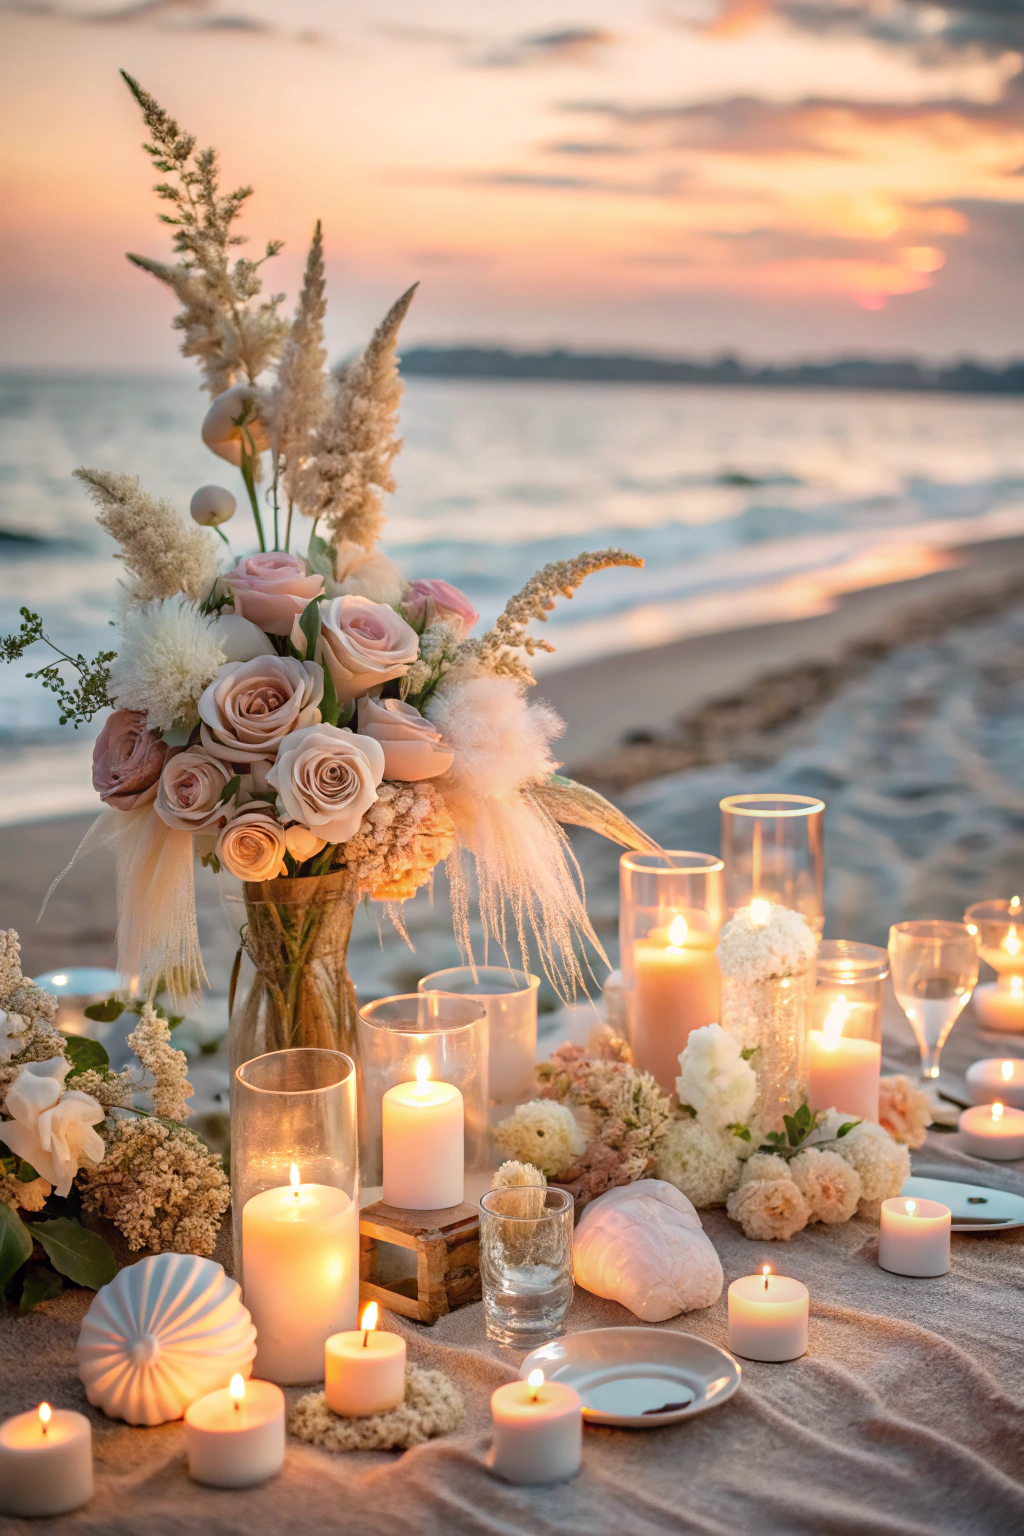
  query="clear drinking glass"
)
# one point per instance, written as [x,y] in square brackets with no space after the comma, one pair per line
[526,1263]
[774,849]
[934,971]
[510,1000]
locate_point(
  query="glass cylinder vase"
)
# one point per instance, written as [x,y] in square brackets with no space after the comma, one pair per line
[295,1205]
[773,849]
[429,1037]
[670,911]
[290,988]
[848,985]
[999,929]
[510,1000]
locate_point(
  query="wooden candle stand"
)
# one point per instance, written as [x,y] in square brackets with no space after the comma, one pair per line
[447,1248]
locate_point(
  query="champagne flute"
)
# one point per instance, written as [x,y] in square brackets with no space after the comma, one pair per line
[934,971]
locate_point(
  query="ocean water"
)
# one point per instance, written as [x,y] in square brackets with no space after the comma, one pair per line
[747,505]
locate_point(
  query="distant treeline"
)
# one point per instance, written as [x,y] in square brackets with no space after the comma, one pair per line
[631,368]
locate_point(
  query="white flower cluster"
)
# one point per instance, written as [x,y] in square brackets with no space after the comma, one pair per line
[700,1153]
[542,1133]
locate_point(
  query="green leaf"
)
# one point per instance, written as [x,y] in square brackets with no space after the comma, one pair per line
[688,1109]
[321,555]
[748,1051]
[851,1125]
[309,623]
[346,712]
[793,1132]
[742,1131]
[41,1284]
[15,1243]
[86,1055]
[230,789]
[76,1252]
[329,706]
[105,1013]
[26,1173]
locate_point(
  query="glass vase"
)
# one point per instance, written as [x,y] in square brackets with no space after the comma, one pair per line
[773,848]
[290,987]
[510,999]
[998,927]
[848,987]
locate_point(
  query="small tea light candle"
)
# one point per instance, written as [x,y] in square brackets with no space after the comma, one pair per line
[45,1462]
[235,1436]
[844,1071]
[996,1080]
[538,1431]
[913,1238]
[1000,1004]
[992,1131]
[423,1147]
[768,1317]
[364,1370]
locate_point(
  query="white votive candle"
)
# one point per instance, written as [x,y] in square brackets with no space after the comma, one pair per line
[996,1080]
[364,1370]
[45,1462]
[423,1133]
[235,1436]
[300,1268]
[1000,1004]
[844,1071]
[913,1237]
[994,1131]
[538,1431]
[768,1317]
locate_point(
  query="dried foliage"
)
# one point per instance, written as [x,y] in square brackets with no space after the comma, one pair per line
[297,404]
[158,549]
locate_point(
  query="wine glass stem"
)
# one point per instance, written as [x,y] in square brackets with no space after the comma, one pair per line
[930,1061]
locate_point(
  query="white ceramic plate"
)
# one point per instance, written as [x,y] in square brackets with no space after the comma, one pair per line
[972,1201]
[639,1378]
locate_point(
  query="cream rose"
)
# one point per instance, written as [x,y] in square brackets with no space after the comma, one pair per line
[252,847]
[190,789]
[326,778]
[252,705]
[52,1129]
[364,644]
[271,590]
[413,748]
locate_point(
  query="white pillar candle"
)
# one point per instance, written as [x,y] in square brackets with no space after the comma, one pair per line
[235,1436]
[993,1131]
[364,1370]
[996,1080]
[300,1268]
[538,1431]
[1000,1004]
[45,1462]
[423,1144]
[768,1317]
[913,1237]
[844,1071]
[676,989]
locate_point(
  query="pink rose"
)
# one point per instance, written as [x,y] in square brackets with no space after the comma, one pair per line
[252,705]
[126,761]
[326,778]
[903,1111]
[271,590]
[190,789]
[426,601]
[364,644]
[252,847]
[413,748]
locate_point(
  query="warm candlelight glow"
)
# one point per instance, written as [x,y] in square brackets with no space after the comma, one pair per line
[1011,943]
[760,911]
[422,1073]
[535,1381]
[766,1271]
[44,1415]
[677,931]
[1014,903]
[1007,1070]
[834,1024]
[911,1207]
[997,1110]
[60,981]
[1016,982]
[294,1177]
[368,1322]
[236,1386]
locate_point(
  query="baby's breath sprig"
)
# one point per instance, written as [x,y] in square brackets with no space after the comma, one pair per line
[78,701]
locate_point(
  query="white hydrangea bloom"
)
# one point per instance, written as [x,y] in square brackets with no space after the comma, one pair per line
[543,1133]
[703,1164]
[714,1079]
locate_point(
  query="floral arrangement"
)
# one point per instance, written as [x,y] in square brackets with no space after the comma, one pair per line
[76,1136]
[285,715]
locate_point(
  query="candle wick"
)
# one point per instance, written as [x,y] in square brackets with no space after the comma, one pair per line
[366,1339]
[238,1405]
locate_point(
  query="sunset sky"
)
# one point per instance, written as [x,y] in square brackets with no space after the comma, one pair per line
[779,177]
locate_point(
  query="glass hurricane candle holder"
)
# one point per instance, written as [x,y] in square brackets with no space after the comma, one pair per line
[999,929]
[295,1205]
[846,1027]
[430,1038]
[510,1000]
[774,850]
[934,971]
[670,912]
[526,1263]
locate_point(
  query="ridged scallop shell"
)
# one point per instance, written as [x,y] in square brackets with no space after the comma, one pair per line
[163,1333]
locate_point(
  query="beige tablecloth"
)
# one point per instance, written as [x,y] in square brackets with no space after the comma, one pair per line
[905,1416]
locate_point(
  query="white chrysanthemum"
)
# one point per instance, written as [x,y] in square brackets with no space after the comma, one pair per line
[882,1164]
[714,1079]
[768,1209]
[830,1185]
[543,1133]
[704,1164]
[169,654]
[765,1165]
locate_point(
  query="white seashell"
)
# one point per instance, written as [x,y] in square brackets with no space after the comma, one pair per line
[643,1245]
[219,430]
[163,1333]
[212,505]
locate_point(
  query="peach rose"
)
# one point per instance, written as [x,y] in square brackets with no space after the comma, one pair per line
[326,778]
[271,590]
[190,789]
[252,705]
[426,601]
[252,846]
[413,748]
[126,761]
[364,644]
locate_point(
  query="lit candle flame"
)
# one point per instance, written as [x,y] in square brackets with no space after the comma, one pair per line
[1007,1071]
[45,1412]
[535,1381]
[294,1178]
[236,1386]
[368,1322]
[1016,982]
[422,1074]
[835,1023]
[972,930]
[766,1271]
[677,931]
[760,912]
[997,1111]
[1014,903]
[1011,943]
[911,1207]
